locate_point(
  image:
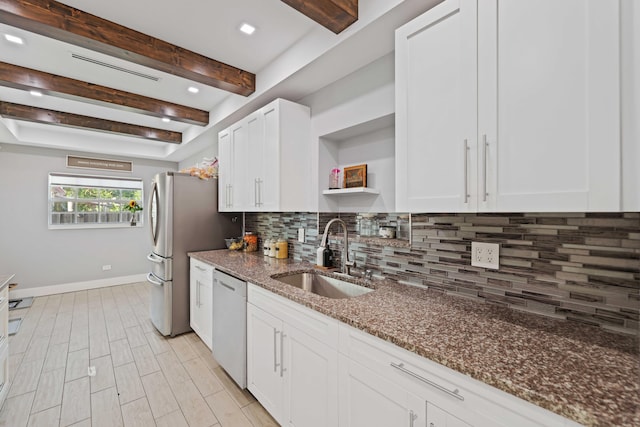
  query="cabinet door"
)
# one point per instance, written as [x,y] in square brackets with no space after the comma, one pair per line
[269,185]
[200,298]
[205,313]
[549,96]
[369,400]
[239,150]
[255,163]
[264,360]
[225,160]
[436,123]
[311,376]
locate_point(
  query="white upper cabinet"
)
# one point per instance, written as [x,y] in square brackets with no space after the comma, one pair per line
[436,110]
[269,169]
[232,152]
[509,106]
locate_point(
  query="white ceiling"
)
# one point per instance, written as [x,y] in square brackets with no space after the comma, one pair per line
[283,49]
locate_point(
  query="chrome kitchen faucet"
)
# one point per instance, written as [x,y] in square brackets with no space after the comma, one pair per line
[346,264]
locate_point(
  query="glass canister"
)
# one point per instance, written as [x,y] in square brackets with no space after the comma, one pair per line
[250,242]
[282,249]
[266,246]
[272,248]
[368,225]
[403,228]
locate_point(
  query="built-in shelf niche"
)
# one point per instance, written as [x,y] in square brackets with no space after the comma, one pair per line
[371,142]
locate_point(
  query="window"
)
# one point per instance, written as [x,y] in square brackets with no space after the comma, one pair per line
[86,201]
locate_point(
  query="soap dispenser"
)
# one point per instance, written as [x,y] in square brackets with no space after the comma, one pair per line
[320,256]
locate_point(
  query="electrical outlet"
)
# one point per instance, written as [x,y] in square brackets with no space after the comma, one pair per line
[485,255]
[301,236]
[106,267]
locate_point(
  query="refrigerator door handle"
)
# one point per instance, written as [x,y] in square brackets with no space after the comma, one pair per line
[150,279]
[155,258]
[153,226]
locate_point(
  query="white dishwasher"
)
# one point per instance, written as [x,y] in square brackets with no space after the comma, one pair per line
[229,336]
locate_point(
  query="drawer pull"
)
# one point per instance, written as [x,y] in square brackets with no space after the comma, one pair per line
[401,368]
[275,351]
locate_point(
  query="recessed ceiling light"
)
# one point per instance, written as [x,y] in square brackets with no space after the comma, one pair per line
[14,39]
[35,92]
[166,119]
[247,29]
[193,89]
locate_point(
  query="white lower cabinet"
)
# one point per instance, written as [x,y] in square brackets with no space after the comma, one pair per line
[404,389]
[292,360]
[201,299]
[309,370]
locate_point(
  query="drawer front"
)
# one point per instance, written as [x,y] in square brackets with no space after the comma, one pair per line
[201,271]
[161,267]
[312,323]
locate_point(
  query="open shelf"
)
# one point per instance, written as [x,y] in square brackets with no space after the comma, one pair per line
[355,190]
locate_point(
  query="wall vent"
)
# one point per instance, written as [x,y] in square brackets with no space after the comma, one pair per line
[114,67]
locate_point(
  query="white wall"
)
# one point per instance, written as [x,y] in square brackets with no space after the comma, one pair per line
[41,257]
[630,14]
[211,150]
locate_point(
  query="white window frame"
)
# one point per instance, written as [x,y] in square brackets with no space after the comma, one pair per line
[72,218]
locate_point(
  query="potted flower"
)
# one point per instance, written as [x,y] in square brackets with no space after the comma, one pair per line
[133,207]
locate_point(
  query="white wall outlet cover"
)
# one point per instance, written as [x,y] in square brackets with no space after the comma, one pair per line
[485,255]
[301,236]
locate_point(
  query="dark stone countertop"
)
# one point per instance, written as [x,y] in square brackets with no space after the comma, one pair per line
[581,372]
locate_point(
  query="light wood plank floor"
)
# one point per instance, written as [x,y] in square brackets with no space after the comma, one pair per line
[141,378]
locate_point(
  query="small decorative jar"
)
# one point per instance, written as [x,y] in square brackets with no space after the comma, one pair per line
[282,249]
[250,242]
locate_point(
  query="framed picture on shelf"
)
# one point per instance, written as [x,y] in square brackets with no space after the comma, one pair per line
[355,176]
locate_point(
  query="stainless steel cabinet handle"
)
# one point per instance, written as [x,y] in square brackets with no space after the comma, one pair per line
[485,147]
[282,335]
[198,284]
[412,418]
[275,353]
[400,367]
[466,171]
[200,268]
[255,192]
[260,202]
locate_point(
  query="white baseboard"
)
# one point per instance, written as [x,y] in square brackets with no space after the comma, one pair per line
[75,286]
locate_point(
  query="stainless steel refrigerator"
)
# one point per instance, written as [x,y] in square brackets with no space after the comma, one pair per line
[183,217]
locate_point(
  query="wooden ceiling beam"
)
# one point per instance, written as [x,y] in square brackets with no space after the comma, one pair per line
[28,79]
[336,15]
[40,115]
[65,23]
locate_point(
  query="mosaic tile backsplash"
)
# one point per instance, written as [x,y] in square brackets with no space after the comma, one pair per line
[583,267]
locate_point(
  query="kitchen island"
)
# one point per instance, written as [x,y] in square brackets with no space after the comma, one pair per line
[581,372]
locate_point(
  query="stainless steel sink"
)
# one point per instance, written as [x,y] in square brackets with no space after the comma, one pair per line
[322,285]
